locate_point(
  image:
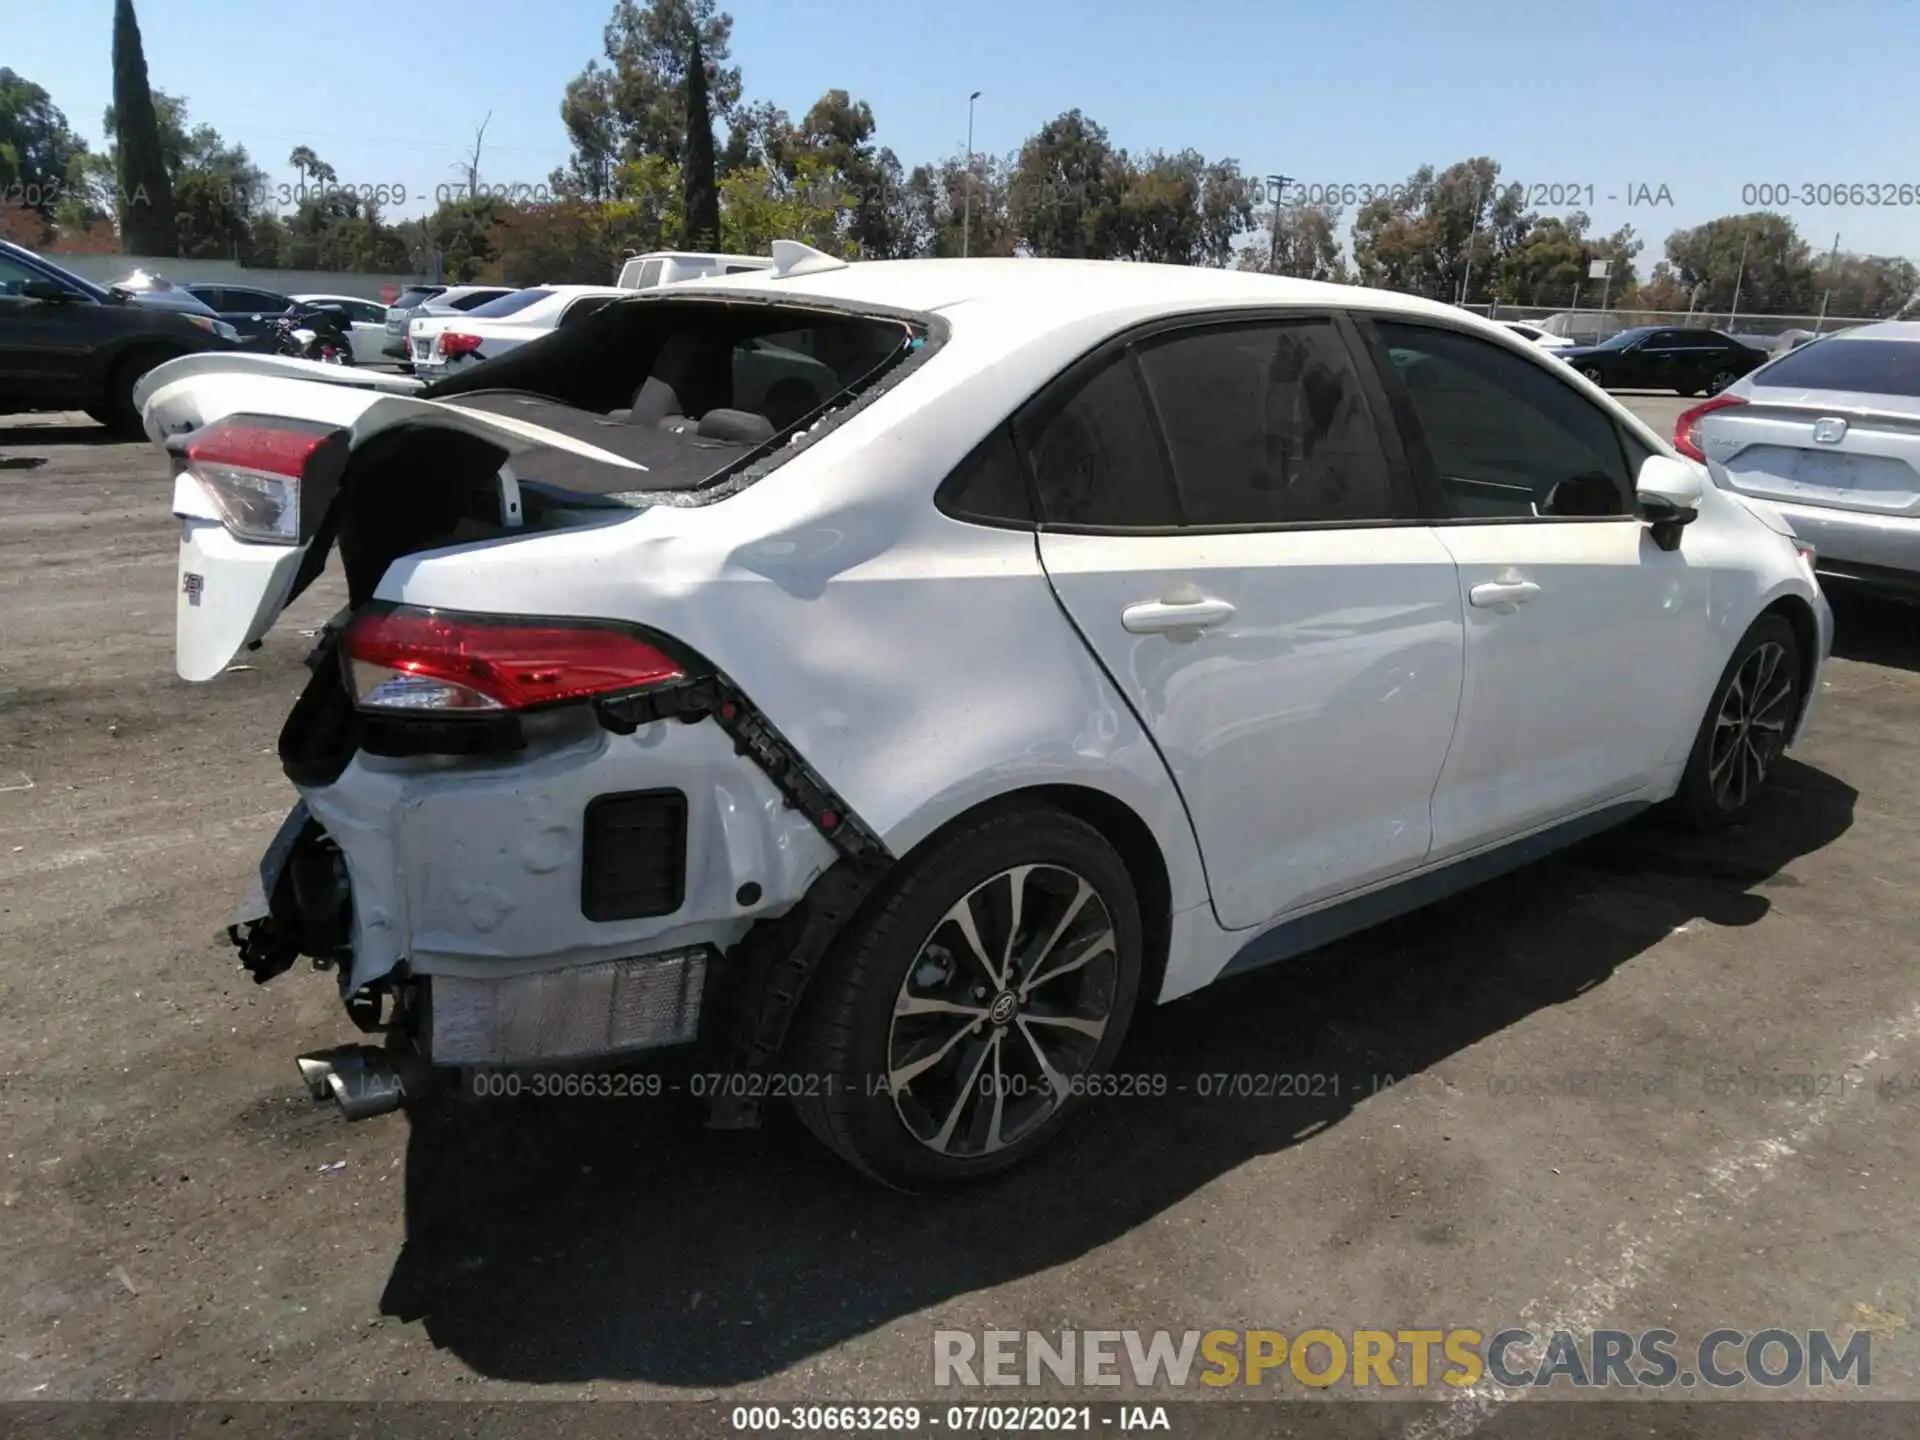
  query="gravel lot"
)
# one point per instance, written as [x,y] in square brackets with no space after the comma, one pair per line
[181,1222]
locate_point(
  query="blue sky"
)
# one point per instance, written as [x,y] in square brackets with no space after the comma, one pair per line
[1703,97]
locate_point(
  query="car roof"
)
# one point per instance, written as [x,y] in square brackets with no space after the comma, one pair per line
[1069,289]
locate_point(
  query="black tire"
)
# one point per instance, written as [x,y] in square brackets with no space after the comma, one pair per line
[851,1040]
[120,414]
[1592,373]
[1688,394]
[1722,786]
[1719,380]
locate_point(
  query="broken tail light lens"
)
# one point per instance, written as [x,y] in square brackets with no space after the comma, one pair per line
[252,473]
[406,658]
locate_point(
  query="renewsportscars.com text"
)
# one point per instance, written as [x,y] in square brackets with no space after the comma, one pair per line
[1383,1359]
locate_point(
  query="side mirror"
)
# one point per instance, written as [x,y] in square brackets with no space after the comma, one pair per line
[50,291]
[1669,492]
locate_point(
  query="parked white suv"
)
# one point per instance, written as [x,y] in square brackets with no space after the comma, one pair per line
[670,267]
[1113,628]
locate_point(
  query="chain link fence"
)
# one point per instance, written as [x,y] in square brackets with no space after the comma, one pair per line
[1590,326]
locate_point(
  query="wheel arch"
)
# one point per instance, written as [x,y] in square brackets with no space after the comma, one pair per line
[1798,613]
[1124,828]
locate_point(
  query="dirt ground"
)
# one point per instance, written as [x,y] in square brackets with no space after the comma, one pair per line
[180,1222]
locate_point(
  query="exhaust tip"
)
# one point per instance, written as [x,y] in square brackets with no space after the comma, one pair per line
[361,1080]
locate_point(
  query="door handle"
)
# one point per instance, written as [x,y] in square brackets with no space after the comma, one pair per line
[1503,596]
[1158,617]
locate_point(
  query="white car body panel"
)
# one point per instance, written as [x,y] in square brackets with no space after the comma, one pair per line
[873,629]
[1539,738]
[1335,680]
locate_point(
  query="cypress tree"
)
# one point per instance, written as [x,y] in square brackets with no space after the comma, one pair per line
[701,189]
[146,193]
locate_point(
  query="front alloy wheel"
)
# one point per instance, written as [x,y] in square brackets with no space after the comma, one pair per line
[1719,381]
[975,1002]
[1751,726]
[1746,728]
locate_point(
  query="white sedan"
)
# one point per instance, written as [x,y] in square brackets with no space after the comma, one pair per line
[366,324]
[442,342]
[1112,629]
[1545,339]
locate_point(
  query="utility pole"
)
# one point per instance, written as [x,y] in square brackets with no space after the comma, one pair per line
[1466,279]
[1833,271]
[1738,276]
[1276,192]
[966,220]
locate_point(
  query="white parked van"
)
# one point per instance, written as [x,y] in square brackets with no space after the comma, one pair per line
[665,267]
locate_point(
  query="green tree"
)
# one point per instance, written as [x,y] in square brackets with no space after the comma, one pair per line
[1302,241]
[701,192]
[1441,233]
[145,198]
[1548,263]
[1871,286]
[636,105]
[38,148]
[1067,190]
[1761,254]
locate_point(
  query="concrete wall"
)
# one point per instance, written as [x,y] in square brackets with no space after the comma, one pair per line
[105,269]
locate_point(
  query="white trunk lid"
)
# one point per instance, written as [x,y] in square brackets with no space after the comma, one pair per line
[230,590]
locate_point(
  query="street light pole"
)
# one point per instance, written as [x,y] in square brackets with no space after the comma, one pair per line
[966,218]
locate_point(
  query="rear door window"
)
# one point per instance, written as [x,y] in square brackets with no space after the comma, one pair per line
[1268,424]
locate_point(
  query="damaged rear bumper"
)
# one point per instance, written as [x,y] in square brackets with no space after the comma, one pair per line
[600,895]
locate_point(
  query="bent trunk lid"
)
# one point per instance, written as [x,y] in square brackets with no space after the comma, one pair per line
[229,590]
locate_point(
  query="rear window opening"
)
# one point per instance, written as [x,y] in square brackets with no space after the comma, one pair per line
[1866,367]
[409,299]
[694,390]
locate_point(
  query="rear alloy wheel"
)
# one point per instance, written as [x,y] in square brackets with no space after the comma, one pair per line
[1719,381]
[958,1024]
[1746,728]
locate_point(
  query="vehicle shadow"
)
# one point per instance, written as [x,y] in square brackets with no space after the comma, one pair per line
[1874,630]
[26,436]
[612,1239]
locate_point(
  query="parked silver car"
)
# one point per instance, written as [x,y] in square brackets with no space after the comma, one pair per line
[1827,435]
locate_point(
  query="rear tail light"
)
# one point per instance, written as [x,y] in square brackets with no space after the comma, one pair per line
[403,658]
[1684,438]
[455,343]
[252,469]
